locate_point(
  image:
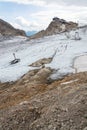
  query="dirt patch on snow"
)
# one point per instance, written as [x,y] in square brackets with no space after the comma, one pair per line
[41,62]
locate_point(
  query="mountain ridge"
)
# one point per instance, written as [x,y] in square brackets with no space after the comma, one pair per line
[56,26]
[7,29]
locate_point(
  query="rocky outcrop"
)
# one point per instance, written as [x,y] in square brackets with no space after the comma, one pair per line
[8,30]
[56,26]
[60,25]
[41,62]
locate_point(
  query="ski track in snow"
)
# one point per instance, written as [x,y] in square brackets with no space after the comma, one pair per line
[31,51]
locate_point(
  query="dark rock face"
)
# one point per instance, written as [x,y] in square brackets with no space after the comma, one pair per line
[7,30]
[59,20]
[56,26]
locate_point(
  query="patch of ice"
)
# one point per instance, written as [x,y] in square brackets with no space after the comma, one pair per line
[71,81]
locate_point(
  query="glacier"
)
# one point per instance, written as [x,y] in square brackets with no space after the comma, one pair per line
[29,51]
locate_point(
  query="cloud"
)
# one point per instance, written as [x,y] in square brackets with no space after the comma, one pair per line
[32,2]
[48,2]
[71,10]
[22,23]
[70,13]
[76,2]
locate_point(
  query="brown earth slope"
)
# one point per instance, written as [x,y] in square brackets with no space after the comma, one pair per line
[7,29]
[34,103]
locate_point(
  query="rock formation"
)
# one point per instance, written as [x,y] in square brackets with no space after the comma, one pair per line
[56,26]
[41,62]
[8,30]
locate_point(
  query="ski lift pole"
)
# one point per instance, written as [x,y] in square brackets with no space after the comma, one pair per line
[14,56]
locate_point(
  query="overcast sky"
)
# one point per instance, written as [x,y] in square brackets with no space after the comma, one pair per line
[37,14]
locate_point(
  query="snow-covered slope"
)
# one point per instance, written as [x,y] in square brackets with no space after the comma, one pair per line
[31,51]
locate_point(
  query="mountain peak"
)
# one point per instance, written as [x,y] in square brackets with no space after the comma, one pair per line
[56,26]
[56,19]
